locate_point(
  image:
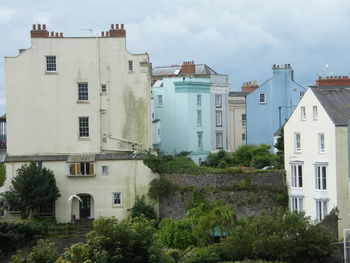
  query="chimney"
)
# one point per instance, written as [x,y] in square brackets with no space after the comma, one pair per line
[249,86]
[188,67]
[333,81]
[116,32]
[37,31]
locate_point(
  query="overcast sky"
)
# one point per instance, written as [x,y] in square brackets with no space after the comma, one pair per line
[242,38]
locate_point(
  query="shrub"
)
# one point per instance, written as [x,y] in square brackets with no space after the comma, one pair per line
[160,188]
[142,208]
[257,156]
[208,254]
[43,252]
[222,159]
[13,235]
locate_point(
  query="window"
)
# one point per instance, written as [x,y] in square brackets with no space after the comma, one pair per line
[200,140]
[199,118]
[321,209]
[244,119]
[103,88]
[297,175]
[105,169]
[83,91]
[297,204]
[243,137]
[199,100]
[218,118]
[321,177]
[262,98]
[160,100]
[218,101]
[82,168]
[314,112]
[51,63]
[219,140]
[297,142]
[117,198]
[83,126]
[131,67]
[302,113]
[321,144]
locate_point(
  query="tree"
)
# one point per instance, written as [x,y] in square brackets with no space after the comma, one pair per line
[257,156]
[280,149]
[283,236]
[32,188]
[142,208]
[2,174]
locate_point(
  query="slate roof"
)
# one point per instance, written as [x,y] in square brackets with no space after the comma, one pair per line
[237,94]
[336,102]
[200,69]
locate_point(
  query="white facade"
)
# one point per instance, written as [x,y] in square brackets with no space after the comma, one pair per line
[316,161]
[84,101]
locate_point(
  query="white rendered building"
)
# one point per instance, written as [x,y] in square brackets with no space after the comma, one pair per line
[317,152]
[80,106]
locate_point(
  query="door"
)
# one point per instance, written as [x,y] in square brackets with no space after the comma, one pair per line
[84,207]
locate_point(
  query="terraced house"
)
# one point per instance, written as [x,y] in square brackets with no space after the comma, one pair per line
[80,106]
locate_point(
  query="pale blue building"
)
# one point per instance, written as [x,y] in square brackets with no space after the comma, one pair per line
[182,117]
[271,104]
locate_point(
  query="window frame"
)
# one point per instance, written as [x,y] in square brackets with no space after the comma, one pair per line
[243,137]
[84,132]
[200,141]
[297,142]
[218,101]
[219,140]
[119,198]
[105,169]
[296,175]
[321,209]
[83,91]
[51,66]
[81,168]
[199,118]
[103,88]
[321,143]
[297,204]
[130,65]
[244,120]
[218,118]
[262,98]
[199,100]
[302,113]
[314,112]
[321,177]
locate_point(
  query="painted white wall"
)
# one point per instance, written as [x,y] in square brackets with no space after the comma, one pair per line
[43,108]
[309,128]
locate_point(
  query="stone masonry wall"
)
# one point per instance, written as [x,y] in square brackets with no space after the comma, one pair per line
[264,197]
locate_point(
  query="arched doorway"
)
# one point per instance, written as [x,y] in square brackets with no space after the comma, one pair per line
[82,206]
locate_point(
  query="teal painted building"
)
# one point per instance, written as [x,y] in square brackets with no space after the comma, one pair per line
[182,117]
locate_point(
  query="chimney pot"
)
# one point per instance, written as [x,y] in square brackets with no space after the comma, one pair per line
[56,34]
[107,34]
[102,34]
[34,27]
[52,33]
[39,27]
[112,26]
[117,26]
[122,26]
[61,34]
[44,26]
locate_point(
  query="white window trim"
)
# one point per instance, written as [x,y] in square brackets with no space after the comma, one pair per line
[262,101]
[130,62]
[120,198]
[296,148]
[79,134]
[244,120]
[320,179]
[322,210]
[218,101]
[321,145]
[199,118]
[199,100]
[314,112]
[303,113]
[297,204]
[106,172]
[218,118]
[219,143]
[295,175]
[50,71]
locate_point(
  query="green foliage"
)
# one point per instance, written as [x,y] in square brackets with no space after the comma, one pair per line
[208,254]
[43,252]
[2,174]
[202,225]
[113,241]
[14,235]
[160,188]
[182,165]
[257,156]
[142,208]
[222,159]
[288,237]
[31,188]
[280,147]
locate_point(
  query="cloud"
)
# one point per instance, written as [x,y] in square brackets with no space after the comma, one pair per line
[6,14]
[41,18]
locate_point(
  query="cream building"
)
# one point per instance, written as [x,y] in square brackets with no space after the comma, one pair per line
[317,153]
[81,107]
[237,120]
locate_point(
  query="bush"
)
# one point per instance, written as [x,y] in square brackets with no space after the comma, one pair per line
[288,237]
[257,156]
[160,188]
[14,235]
[208,254]
[222,159]
[142,208]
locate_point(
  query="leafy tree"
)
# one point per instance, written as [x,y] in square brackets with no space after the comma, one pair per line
[222,159]
[288,237]
[2,174]
[32,187]
[159,188]
[113,241]
[210,254]
[142,208]
[257,156]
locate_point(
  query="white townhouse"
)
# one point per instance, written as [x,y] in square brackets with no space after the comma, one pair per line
[316,143]
[80,106]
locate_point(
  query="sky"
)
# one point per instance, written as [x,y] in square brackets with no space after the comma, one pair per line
[242,38]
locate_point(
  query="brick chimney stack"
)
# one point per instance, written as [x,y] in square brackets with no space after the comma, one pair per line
[249,86]
[116,31]
[188,67]
[39,32]
[333,81]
